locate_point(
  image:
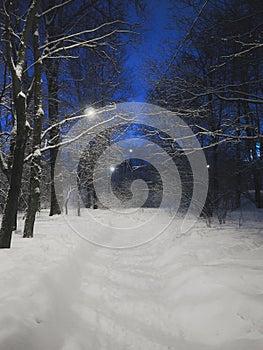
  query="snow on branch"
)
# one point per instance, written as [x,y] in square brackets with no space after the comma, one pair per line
[239,99]
[86,31]
[251,46]
[74,118]
[55,7]
[81,134]
[26,33]
[86,132]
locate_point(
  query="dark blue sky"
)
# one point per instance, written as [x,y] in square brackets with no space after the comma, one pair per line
[151,44]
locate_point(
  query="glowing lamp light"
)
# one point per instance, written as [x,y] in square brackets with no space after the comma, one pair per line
[90,112]
[112,168]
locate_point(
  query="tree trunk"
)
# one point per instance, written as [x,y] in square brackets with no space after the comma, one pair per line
[9,216]
[35,175]
[54,206]
[54,25]
[54,135]
[257,184]
[34,195]
[238,162]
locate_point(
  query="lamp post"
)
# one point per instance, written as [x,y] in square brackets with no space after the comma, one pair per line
[130,163]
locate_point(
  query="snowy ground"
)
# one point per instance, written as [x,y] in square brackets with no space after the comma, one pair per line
[199,291]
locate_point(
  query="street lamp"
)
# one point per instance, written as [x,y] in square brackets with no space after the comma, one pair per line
[90,112]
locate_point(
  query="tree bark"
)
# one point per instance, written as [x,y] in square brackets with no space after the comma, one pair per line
[53,23]
[35,175]
[9,216]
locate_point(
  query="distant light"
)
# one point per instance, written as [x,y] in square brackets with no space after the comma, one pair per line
[208,166]
[90,112]
[130,150]
[112,168]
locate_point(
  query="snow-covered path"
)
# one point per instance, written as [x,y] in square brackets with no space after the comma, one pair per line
[202,291]
[184,297]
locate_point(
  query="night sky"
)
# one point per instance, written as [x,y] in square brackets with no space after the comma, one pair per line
[154,32]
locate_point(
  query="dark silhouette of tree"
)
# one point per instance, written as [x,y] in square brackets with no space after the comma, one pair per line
[215,83]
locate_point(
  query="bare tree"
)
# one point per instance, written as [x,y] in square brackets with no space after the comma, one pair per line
[35,176]
[53,41]
[215,82]
[16,63]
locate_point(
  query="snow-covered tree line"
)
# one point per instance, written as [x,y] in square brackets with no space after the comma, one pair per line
[214,81]
[56,57]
